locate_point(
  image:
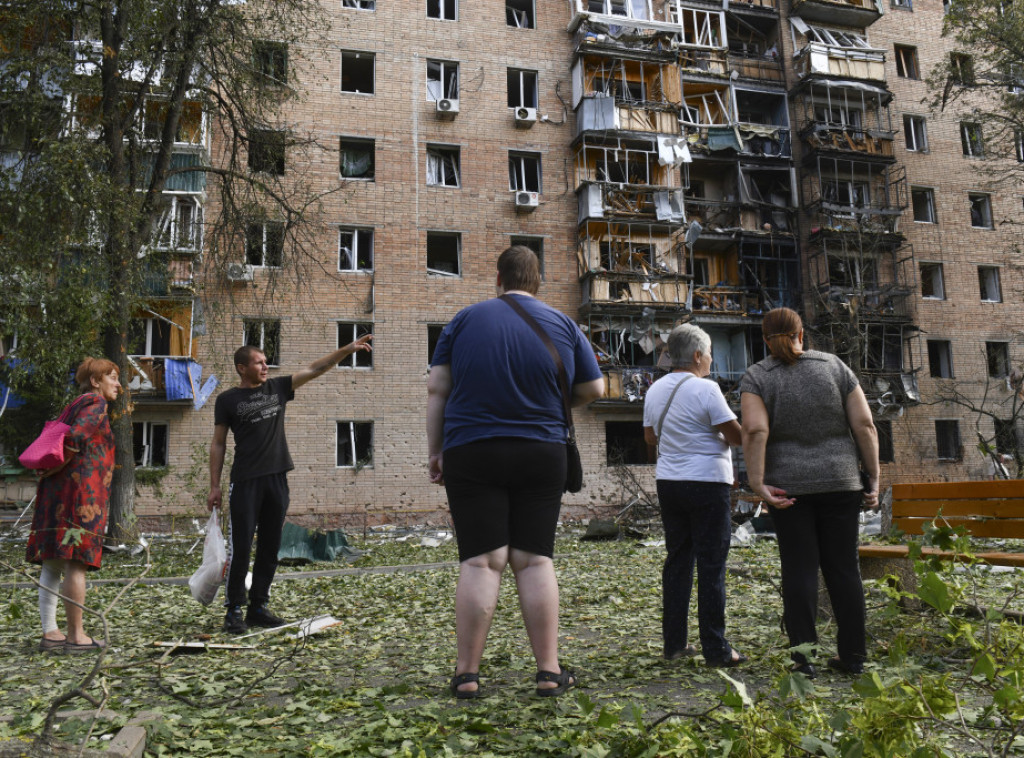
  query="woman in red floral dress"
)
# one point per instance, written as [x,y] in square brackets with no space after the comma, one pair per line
[70,518]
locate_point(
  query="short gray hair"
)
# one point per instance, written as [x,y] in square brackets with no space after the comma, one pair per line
[684,341]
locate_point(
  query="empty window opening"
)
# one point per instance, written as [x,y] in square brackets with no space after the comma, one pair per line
[270,59]
[360,5]
[536,244]
[1018,145]
[356,159]
[266,151]
[445,10]
[433,335]
[350,332]
[886,450]
[442,80]
[940,359]
[625,444]
[264,244]
[988,283]
[1006,437]
[524,172]
[981,211]
[355,249]
[924,205]
[933,286]
[442,166]
[520,14]
[961,69]
[971,140]
[264,335]
[906,62]
[355,444]
[149,442]
[998,356]
[357,74]
[947,440]
[444,253]
[522,88]
[915,131]
[149,337]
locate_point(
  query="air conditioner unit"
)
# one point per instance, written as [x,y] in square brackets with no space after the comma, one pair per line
[447,105]
[526,117]
[527,201]
[240,272]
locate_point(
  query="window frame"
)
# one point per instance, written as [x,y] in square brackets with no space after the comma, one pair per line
[525,168]
[940,359]
[961,69]
[441,10]
[984,210]
[142,435]
[533,241]
[433,335]
[359,5]
[353,330]
[356,232]
[352,144]
[268,151]
[523,88]
[353,427]
[447,159]
[531,14]
[941,278]
[929,196]
[270,61]
[444,86]
[998,352]
[886,446]
[273,356]
[907,66]
[994,277]
[434,235]
[264,227]
[972,139]
[916,126]
[155,332]
[358,55]
[952,427]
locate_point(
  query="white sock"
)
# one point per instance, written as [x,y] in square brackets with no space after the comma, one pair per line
[49,586]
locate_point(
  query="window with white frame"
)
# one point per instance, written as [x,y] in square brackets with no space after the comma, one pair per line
[915,132]
[522,88]
[981,210]
[923,199]
[638,9]
[360,5]
[265,335]
[524,172]
[971,140]
[997,355]
[835,38]
[356,158]
[444,253]
[355,444]
[149,442]
[180,224]
[443,10]
[355,249]
[947,440]
[933,283]
[536,244]
[988,284]
[520,14]
[149,336]
[264,243]
[940,359]
[442,80]
[349,332]
[442,166]
[357,72]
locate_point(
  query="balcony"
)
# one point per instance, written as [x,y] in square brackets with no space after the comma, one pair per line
[613,201]
[856,13]
[625,291]
[726,300]
[164,379]
[658,42]
[828,138]
[607,113]
[827,60]
[759,67]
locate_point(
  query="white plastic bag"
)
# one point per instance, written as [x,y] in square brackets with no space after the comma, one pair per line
[210,574]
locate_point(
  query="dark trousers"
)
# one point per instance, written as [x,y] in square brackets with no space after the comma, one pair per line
[821,531]
[257,506]
[697,529]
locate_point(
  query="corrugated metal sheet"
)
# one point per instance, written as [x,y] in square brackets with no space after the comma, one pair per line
[176,378]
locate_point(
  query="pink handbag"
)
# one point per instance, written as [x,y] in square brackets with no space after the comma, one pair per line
[47,451]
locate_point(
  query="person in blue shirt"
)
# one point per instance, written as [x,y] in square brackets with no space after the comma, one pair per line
[496,435]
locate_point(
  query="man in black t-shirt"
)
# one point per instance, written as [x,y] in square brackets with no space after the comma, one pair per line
[258,495]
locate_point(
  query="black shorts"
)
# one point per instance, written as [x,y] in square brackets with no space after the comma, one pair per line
[505,491]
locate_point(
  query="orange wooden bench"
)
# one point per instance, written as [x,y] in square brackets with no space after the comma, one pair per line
[993,509]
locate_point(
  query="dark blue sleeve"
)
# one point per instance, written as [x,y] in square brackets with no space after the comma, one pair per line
[443,349]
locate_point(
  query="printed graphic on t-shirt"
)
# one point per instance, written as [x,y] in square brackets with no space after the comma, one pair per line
[258,409]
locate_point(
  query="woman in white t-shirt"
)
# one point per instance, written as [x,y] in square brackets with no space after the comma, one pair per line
[686,416]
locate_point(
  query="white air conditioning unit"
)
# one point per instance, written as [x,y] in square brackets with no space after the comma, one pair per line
[240,272]
[447,105]
[526,117]
[527,201]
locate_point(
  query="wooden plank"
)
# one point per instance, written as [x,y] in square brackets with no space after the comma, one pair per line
[1003,528]
[954,490]
[895,551]
[995,508]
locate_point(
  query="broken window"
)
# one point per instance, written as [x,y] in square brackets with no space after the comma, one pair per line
[149,442]
[190,121]
[520,14]
[357,72]
[940,359]
[356,159]
[445,10]
[988,282]
[266,151]
[442,166]
[915,132]
[522,88]
[883,347]
[623,255]
[444,253]
[350,332]
[149,337]
[961,69]
[624,443]
[998,356]
[886,450]
[179,224]
[361,5]
[981,210]
[923,200]
[536,244]
[355,249]
[933,286]
[903,5]
[270,59]
[355,444]
[524,172]
[264,335]
[906,62]
[264,243]
[848,193]
[852,272]
[442,80]
[1006,436]
[433,335]
[835,38]
[971,140]
[947,440]
[637,9]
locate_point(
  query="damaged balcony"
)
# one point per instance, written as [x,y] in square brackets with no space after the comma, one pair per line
[845,117]
[859,13]
[717,118]
[629,349]
[833,52]
[854,195]
[733,199]
[625,95]
[857,281]
[635,14]
[654,41]
[753,43]
[161,351]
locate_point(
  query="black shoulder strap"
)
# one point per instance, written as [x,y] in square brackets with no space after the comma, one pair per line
[563,376]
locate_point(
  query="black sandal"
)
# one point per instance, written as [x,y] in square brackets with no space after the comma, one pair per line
[458,680]
[565,679]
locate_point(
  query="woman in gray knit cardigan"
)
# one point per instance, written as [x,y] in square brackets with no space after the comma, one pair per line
[807,437]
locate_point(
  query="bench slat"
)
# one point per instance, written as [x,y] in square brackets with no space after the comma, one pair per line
[996,508]
[897,551]
[955,490]
[1004,528]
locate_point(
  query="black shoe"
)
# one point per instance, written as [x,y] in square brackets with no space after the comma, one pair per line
[735,659]
[233,621]
[837,664]
[258,615]
[807,669]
